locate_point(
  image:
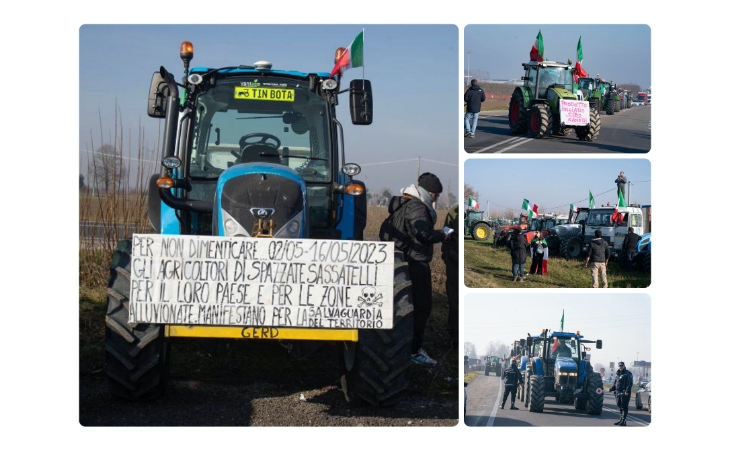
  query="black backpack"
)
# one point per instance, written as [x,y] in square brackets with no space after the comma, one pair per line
[395,229]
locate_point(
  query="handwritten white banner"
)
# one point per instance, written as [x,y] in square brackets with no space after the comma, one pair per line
[309,283]
[575,112]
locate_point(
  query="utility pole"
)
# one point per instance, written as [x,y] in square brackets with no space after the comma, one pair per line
[418,174]
[628,200]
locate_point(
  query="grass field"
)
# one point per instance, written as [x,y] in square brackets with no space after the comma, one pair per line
[489,267]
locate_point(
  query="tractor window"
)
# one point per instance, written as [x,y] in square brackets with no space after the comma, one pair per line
[566,348]
[601,218]
[537,349]
[558,76]
[286,125]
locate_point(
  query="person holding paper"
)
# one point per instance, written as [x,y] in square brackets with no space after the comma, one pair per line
[420,217]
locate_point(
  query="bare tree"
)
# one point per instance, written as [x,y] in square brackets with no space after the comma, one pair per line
[469,191]
[109,170]
[498,348]
[470,350]
[631,87]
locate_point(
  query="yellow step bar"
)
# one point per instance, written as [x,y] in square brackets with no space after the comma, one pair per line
[289,334]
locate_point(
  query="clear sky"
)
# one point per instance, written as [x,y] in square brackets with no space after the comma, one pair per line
[621,53]
[553,184]
[621,321]
[414,71]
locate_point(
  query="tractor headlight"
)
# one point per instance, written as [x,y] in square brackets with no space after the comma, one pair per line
[171,162]
[329,84]
[292,228]
[351,169]
[231,227]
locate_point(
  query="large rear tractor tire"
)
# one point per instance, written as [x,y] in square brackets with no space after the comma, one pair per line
[537,393]
[580,404]
[610,106]
[137,363]
[590,132]
[540,121]
[594,406]
[498,370]
[571,248]
[376,365]
[481,231]
[517,113]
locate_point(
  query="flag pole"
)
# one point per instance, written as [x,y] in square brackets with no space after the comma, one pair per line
[363,56]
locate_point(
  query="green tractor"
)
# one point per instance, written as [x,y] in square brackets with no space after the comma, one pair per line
[476,227]
[593,92]
[535,107]
[613,99]
[493,364]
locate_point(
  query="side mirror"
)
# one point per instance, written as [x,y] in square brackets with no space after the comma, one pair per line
[466,358]
[599,344]
[157,98]
[522,342]
[361,102]
[529,342]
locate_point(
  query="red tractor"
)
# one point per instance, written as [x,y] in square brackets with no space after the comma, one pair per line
[502,234]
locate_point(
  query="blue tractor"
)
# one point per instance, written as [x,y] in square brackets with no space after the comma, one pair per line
[254,152]
[555,365]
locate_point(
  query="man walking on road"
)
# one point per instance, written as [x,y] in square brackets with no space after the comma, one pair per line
[512,377]
[473,97]
[622,390]
[598,255]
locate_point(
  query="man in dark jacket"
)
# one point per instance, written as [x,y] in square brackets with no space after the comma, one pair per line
[512,377]
[473,97]
[420,217]
[450,255]
[519,250]
[598,254]
[630,247]
[621,184]
[622,390]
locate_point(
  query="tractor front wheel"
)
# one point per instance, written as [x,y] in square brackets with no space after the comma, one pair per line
[136,354]
[646,262]
[376,365]
[594,406]
[537,393]
[541,121]
[480,231]
[571,248]
[610,106]
[590,132]
[517,113]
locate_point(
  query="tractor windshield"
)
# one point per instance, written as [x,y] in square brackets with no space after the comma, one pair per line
[565,348]
[600,218]
[586,83]
[556,77]
[241,119]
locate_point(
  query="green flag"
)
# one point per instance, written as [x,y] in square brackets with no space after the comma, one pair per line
[525,204]
[621,201]
[562,320]
[591,200]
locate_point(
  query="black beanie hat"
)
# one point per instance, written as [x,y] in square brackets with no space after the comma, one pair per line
[430,182]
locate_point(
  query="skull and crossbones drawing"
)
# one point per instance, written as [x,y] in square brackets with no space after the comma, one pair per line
[368,297]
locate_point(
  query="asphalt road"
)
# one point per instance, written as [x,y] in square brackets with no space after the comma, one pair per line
[626,132]
[484,395]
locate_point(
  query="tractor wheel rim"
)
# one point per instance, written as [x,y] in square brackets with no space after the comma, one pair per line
[535,121]
[481,233]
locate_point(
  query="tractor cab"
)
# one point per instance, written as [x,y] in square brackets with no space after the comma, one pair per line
[540,76]
[271,133]
[614,223]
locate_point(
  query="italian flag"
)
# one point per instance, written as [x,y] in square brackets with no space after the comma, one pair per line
[544,259]
[573,208]
[531,209]
[473,203]
[579,72]
[621,201]
[591,200]
[538,50]
[351,57]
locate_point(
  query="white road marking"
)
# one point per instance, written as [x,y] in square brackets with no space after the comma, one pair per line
[524,140]
[496,403]
[499,143]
